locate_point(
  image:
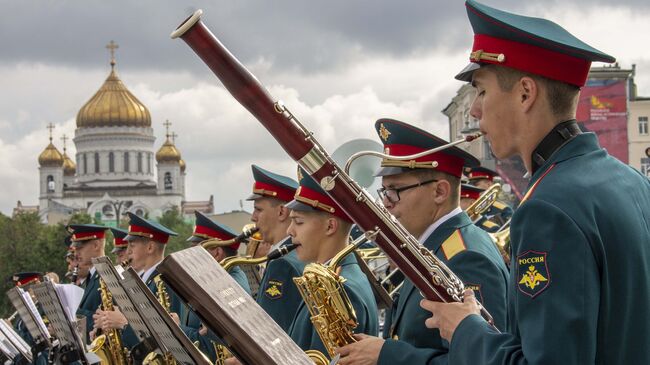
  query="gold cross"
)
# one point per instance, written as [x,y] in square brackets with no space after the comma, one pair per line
[50,126]
[64,138]
[167,124]
[112,46]
[173,135]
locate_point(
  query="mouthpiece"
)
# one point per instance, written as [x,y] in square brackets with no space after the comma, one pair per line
[472,137]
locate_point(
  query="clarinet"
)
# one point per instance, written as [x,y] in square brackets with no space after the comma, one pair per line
[428,273]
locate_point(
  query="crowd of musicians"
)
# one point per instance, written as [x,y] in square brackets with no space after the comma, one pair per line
[571,288]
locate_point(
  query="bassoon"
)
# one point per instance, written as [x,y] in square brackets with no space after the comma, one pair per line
[428,273]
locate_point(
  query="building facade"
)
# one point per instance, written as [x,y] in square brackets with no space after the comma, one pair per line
[115,169]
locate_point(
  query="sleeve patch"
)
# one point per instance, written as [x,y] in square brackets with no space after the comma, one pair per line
[533,276]
[477,290]
[453,245]
[273,289]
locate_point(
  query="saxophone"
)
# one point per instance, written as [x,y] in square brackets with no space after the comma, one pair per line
[154,358]
[332,313]
[108,346]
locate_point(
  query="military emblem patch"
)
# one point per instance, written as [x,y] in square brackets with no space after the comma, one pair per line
[477,290]
[533,276]
[273,289]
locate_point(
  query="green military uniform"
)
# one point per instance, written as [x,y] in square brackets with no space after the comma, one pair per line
[470,254]
[579,286]
[463,247]
[361,297]
[278,295]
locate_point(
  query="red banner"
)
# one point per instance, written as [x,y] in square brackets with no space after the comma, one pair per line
[602,109]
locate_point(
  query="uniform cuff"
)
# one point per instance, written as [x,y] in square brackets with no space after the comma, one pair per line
[467,329]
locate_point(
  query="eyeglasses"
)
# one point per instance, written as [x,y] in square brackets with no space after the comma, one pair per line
[392,194]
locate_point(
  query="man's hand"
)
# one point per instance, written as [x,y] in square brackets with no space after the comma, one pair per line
[108,320]
[175,318]
[363,352]
[203,330]
[232,361]
[447,316]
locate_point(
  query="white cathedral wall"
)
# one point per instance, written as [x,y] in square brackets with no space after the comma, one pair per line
[118,140]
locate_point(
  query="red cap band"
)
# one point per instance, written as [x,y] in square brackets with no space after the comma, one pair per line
[480,175]
[449,164]
[273,191]
[536,60]
[86,236]
[469,194]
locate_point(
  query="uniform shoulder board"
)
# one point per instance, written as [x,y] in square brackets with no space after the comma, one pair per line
[453,245]
[488,224]
[499,206]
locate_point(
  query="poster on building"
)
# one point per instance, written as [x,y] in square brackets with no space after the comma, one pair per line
[602,109]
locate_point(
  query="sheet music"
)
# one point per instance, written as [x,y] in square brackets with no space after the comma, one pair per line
[70,296]
[16,340]
[31,306]
[7,347]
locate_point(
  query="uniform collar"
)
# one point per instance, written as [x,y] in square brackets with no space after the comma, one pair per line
[444,230]
[438,223]
[148,272]
[577,146]
[559,136]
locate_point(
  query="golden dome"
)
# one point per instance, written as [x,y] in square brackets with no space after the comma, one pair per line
[168,152]
[182,163]
[113,105]
[69,167]
[50,157]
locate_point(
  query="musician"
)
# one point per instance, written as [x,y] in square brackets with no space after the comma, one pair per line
[483,178]
[468,195]
[580,272]
[207,229]
[424,195]
[120,245]
[88,242]
[278,295]
[147,240]
[321,229]
[25,280]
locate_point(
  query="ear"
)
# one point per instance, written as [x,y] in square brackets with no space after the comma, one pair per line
[332,226]
[442,191]
[283,213]
[528,90]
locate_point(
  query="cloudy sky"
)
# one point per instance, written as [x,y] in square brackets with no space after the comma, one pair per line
[338,65]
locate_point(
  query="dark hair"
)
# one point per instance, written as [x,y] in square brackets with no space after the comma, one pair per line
[562,97]
[229,251]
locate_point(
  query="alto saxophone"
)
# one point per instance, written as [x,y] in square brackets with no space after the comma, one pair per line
[332,313]
[108,346]
[475,211]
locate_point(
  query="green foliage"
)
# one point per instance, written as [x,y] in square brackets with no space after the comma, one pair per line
[173,220]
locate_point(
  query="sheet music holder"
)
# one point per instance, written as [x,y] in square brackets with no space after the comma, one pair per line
[71,346]
[29,314]
[223,306]
[149,320]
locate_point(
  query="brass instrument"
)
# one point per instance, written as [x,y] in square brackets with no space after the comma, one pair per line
[254,240]
[483,203]
[502,240]
[231,261]
[332,313]
[108,346]
[475,211]
[248,231]
[154,358]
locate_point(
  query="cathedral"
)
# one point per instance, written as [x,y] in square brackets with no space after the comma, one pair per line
[115,169]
